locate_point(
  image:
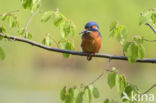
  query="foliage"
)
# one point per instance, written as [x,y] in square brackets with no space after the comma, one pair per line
[31,5]
[148,17]
[77,94]
[118,31]
[134,49]
[122,85]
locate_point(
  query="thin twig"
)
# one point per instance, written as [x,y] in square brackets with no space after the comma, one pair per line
[105,69]
[98,55]
[10,12]
[26,27]
[148,90]
[150,40]
[56,43]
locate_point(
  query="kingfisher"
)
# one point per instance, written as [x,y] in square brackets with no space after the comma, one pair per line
[91,39]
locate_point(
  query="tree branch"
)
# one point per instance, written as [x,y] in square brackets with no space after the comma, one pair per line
[99,55]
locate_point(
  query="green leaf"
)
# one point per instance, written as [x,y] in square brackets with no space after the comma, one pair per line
[154,17]
[2,54]
[68,99]
[27,4]
[4,16]
[59,19]
[141,51]
[89,94]
[126,45]
[118,31]
[113,25]
[68,46]
[70,96]
[66,28]
[132,53]
[95,92]
[80,97]
[32,5]
[13,21]
[46,16]
[128,90]
[145,18]
[28,35]
[36,5]
[21,31]
[63,94]
[121,83]
[106,101]
[111,79]
[47,41]
[2,29]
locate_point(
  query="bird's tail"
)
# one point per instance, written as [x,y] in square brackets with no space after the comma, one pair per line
[89,57]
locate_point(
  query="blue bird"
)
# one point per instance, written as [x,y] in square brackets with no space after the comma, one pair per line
[91,39]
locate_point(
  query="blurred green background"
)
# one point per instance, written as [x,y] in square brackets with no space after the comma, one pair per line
[33,75]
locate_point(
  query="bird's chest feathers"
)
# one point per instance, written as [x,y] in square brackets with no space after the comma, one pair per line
[91,42]
[91,36]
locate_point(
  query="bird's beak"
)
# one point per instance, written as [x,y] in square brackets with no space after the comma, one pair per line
[85,31]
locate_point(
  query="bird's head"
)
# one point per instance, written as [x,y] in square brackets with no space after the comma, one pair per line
[90,26]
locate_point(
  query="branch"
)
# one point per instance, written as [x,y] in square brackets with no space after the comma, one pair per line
[148,90]
[99,55]
[105,69]
[26,27]
[153,29]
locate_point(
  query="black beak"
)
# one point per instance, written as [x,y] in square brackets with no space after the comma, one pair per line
[85,31]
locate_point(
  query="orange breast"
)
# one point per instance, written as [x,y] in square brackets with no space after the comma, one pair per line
[91,43]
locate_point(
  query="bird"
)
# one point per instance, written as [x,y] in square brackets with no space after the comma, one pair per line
[91,39]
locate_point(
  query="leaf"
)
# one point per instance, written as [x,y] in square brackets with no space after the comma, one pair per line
[27,4]
[68,99]
[2,54]
[145,17]
[13,21]
[47,41]
[126,45]
[63,94]
[111,79]
[46,16]
[59,19]
[36,5]
[89,94]
[80,97]
[31,5]
[4,16]
[68,46]
[95,92]
[21,31]
[71,93]
[2,29]
[132,53]
[106,101]
[153,17]
[118,31]
[113,25]
[121,83]
[70,96]
[128,90]
[28,35]
[141,51]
